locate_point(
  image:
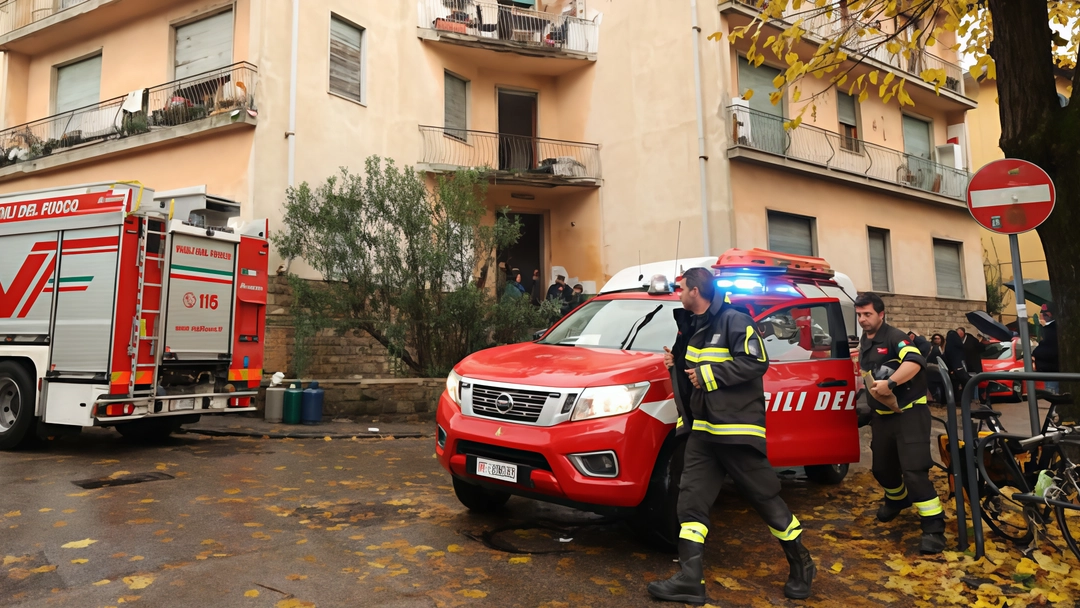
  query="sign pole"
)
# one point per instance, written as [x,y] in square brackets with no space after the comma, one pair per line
[1022,326]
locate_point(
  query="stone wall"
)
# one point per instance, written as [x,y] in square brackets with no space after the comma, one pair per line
[408,399]
[928,316]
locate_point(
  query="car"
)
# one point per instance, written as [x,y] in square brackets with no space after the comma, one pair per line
[1005,357]
[585,417]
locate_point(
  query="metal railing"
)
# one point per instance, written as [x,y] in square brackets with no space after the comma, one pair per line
[513,154]
[16,14]
[816,21]
[497,23]
[162,106]
[766,132]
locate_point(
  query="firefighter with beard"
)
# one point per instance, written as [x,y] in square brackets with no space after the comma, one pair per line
[717,364]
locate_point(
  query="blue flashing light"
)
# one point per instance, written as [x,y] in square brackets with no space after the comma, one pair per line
[725,283]
[783,289]
[747,284]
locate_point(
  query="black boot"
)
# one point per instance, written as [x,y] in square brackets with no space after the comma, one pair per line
[802,569]
[890,509]
[688,584]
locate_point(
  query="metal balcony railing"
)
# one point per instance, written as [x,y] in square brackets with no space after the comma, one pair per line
[499,23]
[162,106]
[765,132]
[16,14]
[510,154]
[816,21]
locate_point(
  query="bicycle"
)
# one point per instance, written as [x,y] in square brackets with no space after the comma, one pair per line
[1060,487]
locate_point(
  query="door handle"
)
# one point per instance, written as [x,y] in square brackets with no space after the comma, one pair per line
[832,383]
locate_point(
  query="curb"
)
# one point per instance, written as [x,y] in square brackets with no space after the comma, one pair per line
[306,434]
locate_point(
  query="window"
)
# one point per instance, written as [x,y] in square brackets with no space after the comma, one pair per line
[849,124]
[805,333]
[204,46]
[791,233]
[346,60]
[879,259]
[947,265]
[78,84]
[455,106]
[917,140]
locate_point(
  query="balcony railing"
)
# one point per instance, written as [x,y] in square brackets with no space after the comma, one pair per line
[16,14]
[765,132]
[816,21]
[168,105]
[492,22]
[513,155]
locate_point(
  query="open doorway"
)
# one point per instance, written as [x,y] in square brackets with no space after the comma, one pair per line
[517,130]
[527,254]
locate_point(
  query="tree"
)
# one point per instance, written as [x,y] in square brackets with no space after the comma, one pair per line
[403,262]
[1020,44]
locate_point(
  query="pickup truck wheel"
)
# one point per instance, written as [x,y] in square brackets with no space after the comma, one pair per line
[657,516]
[16,406]
[148,431]
[827,474]
[477,499]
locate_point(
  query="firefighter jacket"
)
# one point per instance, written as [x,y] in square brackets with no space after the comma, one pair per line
[890,348]
[730,359]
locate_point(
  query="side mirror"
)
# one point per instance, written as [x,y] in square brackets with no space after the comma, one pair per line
[540,334]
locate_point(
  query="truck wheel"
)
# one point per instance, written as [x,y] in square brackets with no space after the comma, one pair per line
[827,474]
[16,405]
[148,431]
[657,516]
[477,499]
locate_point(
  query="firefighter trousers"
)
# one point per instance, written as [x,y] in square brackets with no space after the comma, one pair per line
[704,466]
[901,449]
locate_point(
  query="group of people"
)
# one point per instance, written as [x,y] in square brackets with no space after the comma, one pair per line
[569,298]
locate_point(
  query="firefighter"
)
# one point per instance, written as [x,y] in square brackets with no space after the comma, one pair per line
[895,373]
[716,365]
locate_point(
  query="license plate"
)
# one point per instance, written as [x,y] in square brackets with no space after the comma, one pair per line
[183,404]
[496,470]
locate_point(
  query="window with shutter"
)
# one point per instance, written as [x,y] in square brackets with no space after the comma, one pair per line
[848,119]
[78,84]
[947,265]
[455,106]
[879,259]
[917,137]
[204,46]
[346,60]
[791,233]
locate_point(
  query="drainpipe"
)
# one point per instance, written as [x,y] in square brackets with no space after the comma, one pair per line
[290,135]
[702,158]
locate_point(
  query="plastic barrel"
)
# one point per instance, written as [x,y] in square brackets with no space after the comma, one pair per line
[275,403]
[311,408]
[291,404]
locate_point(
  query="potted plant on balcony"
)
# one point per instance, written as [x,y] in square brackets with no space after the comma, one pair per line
[71,138]
[134,124]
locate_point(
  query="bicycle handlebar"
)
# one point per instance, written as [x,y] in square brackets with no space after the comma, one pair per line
[1051,436]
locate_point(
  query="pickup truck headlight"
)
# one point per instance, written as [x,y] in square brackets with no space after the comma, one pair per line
[602,401]
[453,386]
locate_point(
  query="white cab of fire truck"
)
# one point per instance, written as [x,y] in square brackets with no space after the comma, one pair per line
[125,307]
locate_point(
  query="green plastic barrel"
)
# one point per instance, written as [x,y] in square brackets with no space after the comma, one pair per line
[291,408]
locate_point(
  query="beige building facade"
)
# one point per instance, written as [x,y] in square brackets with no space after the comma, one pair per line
[586,113]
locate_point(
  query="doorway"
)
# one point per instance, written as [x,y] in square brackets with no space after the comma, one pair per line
[517,130]
[527,253]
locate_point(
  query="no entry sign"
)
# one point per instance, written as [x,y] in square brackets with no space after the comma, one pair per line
[1010,196]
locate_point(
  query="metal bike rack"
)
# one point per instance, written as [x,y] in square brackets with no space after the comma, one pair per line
[968,466]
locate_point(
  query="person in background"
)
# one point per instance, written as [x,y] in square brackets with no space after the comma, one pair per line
[537,291]
[937,346]
[972,351]
[578,296]
[501,279]
[558,289]
[920,343]
[953,358]
[1046,353]
[514,288]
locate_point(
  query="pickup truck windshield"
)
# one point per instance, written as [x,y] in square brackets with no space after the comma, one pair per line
[608,323]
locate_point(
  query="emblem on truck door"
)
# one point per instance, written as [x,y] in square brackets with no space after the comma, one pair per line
[504,403]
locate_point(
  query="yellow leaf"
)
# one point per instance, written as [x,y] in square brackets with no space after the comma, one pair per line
[716,36]
[294,603]
[1026,566]
[778,81]
[837,567]
[775,97]
[888,78]
[1054,596]
[893,47]
[474,593]
[103,581]
[1050,565]
[991,70]
[864,96]
[78,544]
[251,593]
[760,59]
[232,491]
[840,81]
[327,438]
[81,560]
[796,95]
[730,583]
[13,514]
[296,577]
[748,94]
[59,524]
[520,560]
[873,77]
[43,569]
[455,549]
[139,581]
[45,510]
[252,524]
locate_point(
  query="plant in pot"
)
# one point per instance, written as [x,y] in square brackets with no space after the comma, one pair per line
[134,124]
[71,138]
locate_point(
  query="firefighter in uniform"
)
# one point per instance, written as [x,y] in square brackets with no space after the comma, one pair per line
[716,365]
[900,422]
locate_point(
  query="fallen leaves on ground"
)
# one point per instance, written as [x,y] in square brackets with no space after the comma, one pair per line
[78,544]
[138,581]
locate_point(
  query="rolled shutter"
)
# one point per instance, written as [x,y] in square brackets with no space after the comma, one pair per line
[346,61]
[205,45]
[950,282]
[78,84]
[845,109]
[455,106]
[917,138]
[879,260]
[791,234]
[760,79]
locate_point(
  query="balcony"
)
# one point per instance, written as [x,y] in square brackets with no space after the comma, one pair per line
[17,14]
[761,137]
[209,100]
[816,22]
[491,25]
[511,158]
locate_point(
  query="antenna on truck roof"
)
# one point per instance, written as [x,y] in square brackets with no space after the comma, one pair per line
[640,274]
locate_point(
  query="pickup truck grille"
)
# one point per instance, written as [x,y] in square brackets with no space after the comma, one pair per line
[527,405]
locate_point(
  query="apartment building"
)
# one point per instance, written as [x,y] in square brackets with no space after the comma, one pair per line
[614,130]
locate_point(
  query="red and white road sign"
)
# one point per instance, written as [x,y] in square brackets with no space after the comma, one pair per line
[1010,196]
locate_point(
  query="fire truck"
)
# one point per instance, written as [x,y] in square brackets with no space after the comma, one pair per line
[584,416]
[121,307]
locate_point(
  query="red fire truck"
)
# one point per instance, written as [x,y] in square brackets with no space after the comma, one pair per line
[585,417]
[119,307]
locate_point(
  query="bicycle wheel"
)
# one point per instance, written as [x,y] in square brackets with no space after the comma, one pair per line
[1069,519]
[1001,475]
